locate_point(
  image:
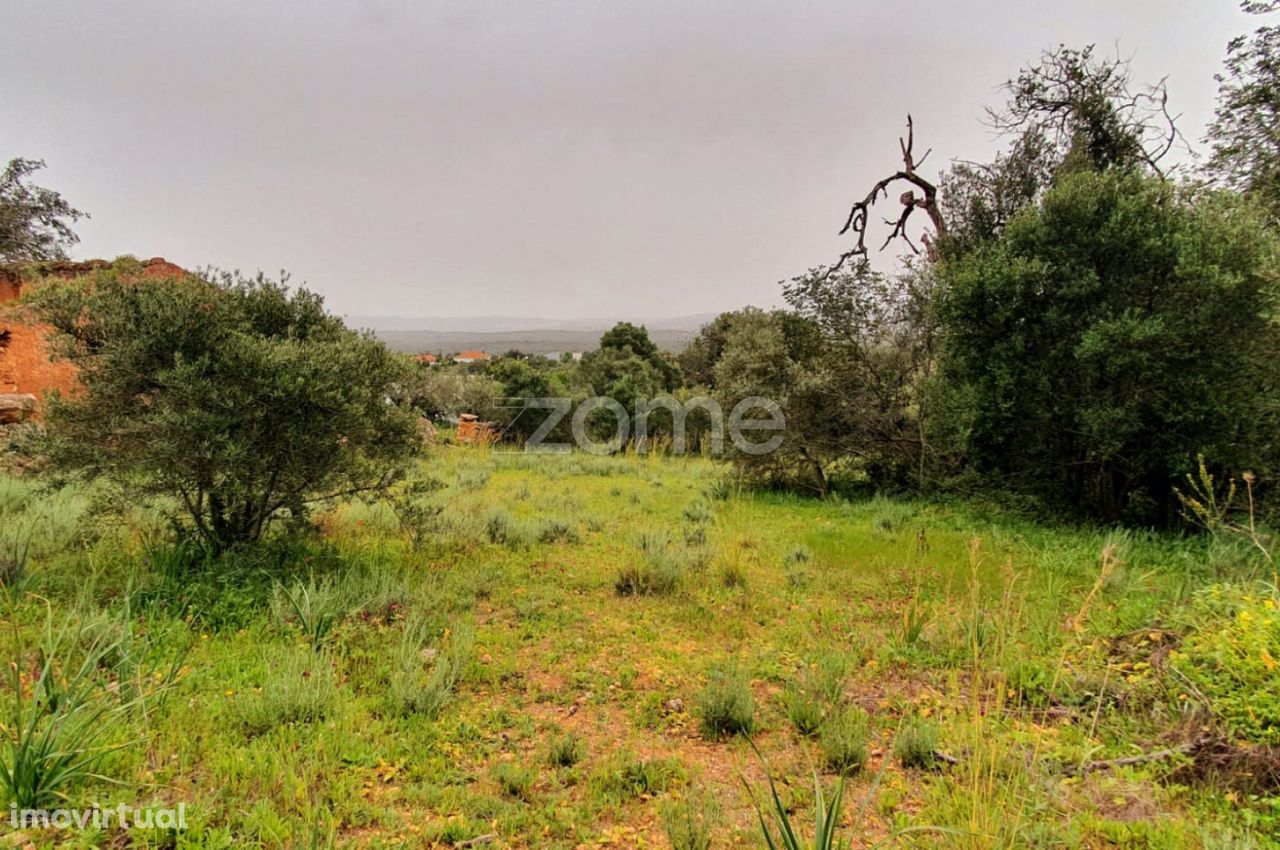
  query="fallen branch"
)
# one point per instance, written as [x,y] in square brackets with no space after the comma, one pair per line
[1127,761]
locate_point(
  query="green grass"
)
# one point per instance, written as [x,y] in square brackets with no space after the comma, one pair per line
[472,663]
[726,706]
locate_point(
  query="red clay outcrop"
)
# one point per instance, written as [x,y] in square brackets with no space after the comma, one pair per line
[25,366]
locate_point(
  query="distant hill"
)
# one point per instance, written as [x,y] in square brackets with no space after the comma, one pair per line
[497,334]
[529,341]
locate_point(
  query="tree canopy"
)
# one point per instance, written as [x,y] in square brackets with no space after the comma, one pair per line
[35,222]
[1115,330]
[242,399]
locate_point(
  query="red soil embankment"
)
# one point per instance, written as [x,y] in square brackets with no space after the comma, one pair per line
[25,366]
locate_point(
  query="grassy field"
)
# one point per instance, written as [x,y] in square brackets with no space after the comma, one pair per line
[533,651]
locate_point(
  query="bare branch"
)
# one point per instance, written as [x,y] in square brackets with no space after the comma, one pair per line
[856,223]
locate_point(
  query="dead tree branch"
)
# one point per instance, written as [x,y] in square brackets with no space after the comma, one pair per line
[927,200]
[1141,758]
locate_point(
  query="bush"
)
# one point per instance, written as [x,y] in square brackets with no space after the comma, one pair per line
[210,386]
[843,740]
[726,706]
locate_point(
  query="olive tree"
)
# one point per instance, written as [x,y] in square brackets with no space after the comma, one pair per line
[35,222]
[242,399]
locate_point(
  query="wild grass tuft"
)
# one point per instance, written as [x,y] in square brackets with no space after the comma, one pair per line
[780,834]
[499,526]
[733,573]
[300,688]
[843,740]
[313,607]
[565,750]
[917,744]
[726,707]
[55,736]
[804,709]
[687,821]
[658,571]
[472,478]
[424,677]
[698,513]
[557,530]
[515,780]
[624,776]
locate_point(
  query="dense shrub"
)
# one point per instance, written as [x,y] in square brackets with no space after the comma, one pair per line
[1113,331]
[239,398]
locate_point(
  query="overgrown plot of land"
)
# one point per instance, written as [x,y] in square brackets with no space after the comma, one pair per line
[534,651]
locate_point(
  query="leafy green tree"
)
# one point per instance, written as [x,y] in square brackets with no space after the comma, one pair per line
[1246,129]
[978,199]
[439,391]
[517,381]
[869,350]
[776,356]
[35,223]
[628,368]
[628,343]
[241,399]
[699,358]
[1111,333]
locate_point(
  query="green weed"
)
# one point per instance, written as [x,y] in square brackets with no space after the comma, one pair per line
[843,740]
[514,779]
[917,744]
[300,688]
[565,750]
[687,821]
[726,706]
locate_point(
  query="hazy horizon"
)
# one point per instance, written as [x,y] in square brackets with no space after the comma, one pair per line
[567,159]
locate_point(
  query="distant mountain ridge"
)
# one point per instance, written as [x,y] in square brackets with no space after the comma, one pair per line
[499,334]
[510,324]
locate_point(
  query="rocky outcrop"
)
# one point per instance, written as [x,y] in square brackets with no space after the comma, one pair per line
[17,407]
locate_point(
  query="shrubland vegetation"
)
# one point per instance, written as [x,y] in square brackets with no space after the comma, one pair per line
[976,678]
[1035,605]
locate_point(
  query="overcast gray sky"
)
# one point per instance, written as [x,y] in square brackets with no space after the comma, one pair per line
[567,159]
